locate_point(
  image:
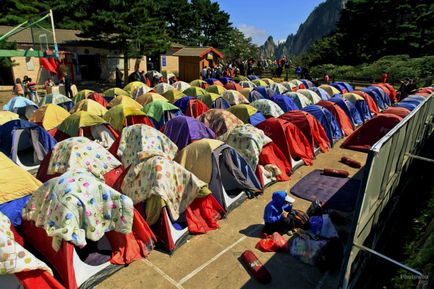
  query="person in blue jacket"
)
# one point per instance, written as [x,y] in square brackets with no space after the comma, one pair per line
[277,215]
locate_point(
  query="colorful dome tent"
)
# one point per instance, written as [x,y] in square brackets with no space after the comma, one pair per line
[6,116]
[374,93]
[347,86]
[173,95]
[399,111]
[311,95]
[216,89]
[82,123]
[25,271]
[407,105]
[389,90]
[21,106]
[233,86]
[191,106]
[246,92]
[227,174]
[266,92]
[247,84]
[181,85]
[289,86]
[58,99]
[311,128]
[82,94]
[332,91]
[278,88]
[360,104]
[349,108]
[371,132]
[49,116]
[259,82]
[90,106]
[168,192]
[298,84]
[132,86]
[307,83]
[214,81]
[225,80]
[369,101]
[321,92]
[268,81]
[254,95]
[267,107]
[65,236]
[299,99]
[234,97]
[343,87]
[121,116]
[327,120]
[213,100]
[289,139]
[195,91]
[183,130]
[252,77]
[160,112]
[149,97]
[342,118]
[199,83]
[220,121]
[247,113]
[163,87]
[95,96]
[125,100]
[285,102]
[381,91]
[26,143]
[114,92]
[140,91]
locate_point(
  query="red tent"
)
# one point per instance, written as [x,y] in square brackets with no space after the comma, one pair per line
[371,103]
[399,111]
[425,91]
[371,132]
[294,144]
[98,97]
[233,85]
[271,154]
[340,115]
[195,108]
[310,126]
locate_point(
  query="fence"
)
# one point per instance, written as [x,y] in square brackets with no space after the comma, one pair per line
[387,160]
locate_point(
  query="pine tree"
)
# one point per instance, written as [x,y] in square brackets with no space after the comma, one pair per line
[14,12]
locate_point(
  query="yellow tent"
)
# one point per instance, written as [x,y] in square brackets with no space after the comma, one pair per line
[82,94]
[353,97]
[218,89]
[125,100]
[49,115]
[246,91]
[15,182]
[330,89]
[91,106]
[113,92]
[6,116]
[116,115]
[259,82]
[173,95]
[150,97]
[130,87]
[268,81]
[243,111]
[209,98]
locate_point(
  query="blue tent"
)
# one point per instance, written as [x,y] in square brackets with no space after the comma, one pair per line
[417,97]
[414,99]
[376,96]
[264,91]
[408,105]
[363,109]
[257,118]
[286,103]
[307,83]
[255,95]
[253,77]
[321,92]
[327,120]
[347,86]
[210,81]
[17,102]
[349,109]
[26,143]
[339,86]
[225,80]
[182,103]
[384,96]
[220,103]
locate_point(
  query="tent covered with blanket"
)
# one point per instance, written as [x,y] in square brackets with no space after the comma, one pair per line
[26,143]
[183,130]
[310,94]
[311,128]
[247,113]
[191,106]
[84,229]
[227,174]
[234,97]
[89,125]
[267,107]
[299,99]
[266,159]
[327,120]
[160,112]
[371,132]
[220,121]
[165,191]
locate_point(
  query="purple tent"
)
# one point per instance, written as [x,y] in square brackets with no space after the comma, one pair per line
[183,130]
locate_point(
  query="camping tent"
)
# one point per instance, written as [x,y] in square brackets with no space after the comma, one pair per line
[278,88]
[163,87]
[173,95]
[160,112]
[26,143]
[113,92]
[390,91]
[140,91]
[247,84]
[125,100]
[321,92]
[371,132]
[49,116]
[360,104]
[121,116]
[233,86]
[299,99]
[267,107]
[213,100]
[21,106]
[191,106]
[327,120]
[149,97]
[98,97]
[298,84]
[289,86]
[132,86]
[6,116]
[369,101]
[90,106]
[332,91]
[219,120]
[234,97]
[216,89]
[199,83]
[285,102]
[374,93]
[266,92]
[195,91]
[307,83]
[399,111]
[310,94]
[214,81]
[340,115]
[247,113]
[58,99]
[183,130]
[349,108]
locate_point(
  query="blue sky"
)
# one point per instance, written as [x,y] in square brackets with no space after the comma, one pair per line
[260,18]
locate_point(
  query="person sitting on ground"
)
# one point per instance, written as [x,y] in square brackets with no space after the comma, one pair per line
[277,215]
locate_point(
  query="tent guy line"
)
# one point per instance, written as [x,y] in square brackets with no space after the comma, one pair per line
[161,272]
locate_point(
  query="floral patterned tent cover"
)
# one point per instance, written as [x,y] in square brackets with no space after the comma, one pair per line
[13,257]
[81,152]
[248,141]
[219,120]
[76,206]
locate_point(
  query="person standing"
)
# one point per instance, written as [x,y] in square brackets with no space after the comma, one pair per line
[326,78]
[384,77]
[67,83]
[119,76]
[18,87]
[204,72]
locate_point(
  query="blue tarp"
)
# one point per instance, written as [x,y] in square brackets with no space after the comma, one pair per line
[13,209]
[384,96]
[257,118]
[7,131]
[286,103]
[349,109]
[327,120]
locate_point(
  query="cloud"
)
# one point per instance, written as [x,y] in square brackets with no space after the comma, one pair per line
[258,35]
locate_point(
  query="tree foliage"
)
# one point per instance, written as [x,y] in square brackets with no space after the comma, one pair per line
[14,12]
[238,47]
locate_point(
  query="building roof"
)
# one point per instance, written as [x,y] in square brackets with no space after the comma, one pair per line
[62,35]
[197,51]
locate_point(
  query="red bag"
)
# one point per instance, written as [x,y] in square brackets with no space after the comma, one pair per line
[352,163]
[336,173]
[273,243]
[255,267]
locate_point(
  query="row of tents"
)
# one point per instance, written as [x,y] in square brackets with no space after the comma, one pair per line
[129,169]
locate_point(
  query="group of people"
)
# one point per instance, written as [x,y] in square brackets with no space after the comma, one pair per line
[26,88]
[220,70]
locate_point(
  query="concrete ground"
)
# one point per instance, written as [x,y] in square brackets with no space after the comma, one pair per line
[212,260]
